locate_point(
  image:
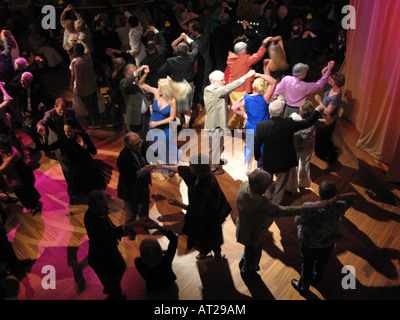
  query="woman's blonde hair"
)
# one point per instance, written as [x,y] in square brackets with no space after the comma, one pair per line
[278,56]
[173,90]
[259,86]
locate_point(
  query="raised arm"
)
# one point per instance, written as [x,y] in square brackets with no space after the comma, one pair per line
[227,89]
[262,8]
[174,44]
[150,89]
[272,85]
[261,51]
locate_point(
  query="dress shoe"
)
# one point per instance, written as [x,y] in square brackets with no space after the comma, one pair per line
[34,211]
[218,171]
[295,284]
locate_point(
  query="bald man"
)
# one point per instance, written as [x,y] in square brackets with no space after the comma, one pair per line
[255,215]
[134,178]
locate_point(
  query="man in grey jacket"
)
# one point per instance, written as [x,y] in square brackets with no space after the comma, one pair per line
[137,111]
[217,112]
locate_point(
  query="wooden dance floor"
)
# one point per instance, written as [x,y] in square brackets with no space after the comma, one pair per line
[58,237]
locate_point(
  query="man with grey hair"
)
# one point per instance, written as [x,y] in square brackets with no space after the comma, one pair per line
[32,100]
[279,154]
[240,63]
[295,90]
[137,111]
[217,112]
[134,178]
[255,215]
[21,65]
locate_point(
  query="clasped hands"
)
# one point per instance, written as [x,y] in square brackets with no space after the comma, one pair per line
[144,222]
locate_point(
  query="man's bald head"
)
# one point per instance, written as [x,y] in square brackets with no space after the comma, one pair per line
[259,181]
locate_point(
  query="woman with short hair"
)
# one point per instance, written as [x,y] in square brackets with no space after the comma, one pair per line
[332,99]
[256,106]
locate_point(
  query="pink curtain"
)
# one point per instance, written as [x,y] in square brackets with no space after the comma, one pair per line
[372,90]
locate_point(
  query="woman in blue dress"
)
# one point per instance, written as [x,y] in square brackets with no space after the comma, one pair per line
[256,106]
[163,113]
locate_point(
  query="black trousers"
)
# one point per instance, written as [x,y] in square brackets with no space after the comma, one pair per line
[92,107]
[110,270]
[313,262]
[324,147]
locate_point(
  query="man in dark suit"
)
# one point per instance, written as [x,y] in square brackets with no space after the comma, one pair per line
[104,256]
[156,56]
[134,178]
[279,155]
[204,60]
[53,120]
[52,126]
[298,46]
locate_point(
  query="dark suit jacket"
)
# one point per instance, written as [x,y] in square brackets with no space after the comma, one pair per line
[180,68]
[130,187]
[203,41]
[103,242]
[276,134]
[55,124]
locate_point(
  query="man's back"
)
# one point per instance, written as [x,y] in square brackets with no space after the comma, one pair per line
[256,214]
[276,134]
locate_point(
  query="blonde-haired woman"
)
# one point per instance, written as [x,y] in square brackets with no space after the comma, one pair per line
[277,63]
[256,106]
[163,113]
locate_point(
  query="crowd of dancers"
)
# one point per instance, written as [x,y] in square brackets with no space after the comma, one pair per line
[163,66]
